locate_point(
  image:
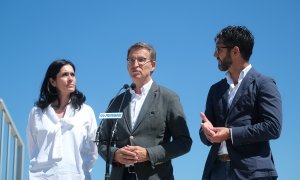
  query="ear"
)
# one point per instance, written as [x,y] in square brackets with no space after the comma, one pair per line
[153,63]
[53,82]
[235,50]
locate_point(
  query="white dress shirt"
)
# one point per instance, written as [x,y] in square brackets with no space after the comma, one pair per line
[231,93]
[61,149]
[137,101]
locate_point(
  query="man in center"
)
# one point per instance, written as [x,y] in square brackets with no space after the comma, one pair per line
[153,129]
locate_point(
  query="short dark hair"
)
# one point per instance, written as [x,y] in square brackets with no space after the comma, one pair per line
[48,93]
[239,36]
[142,45]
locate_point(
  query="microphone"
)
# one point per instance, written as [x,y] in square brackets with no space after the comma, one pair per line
[116,115]
[114,128]
[125,86]
[108,115]
[133,86]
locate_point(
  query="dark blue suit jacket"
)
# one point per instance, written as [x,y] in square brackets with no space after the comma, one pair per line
[255,117]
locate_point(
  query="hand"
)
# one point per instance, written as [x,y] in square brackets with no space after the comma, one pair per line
[221,134]
[141,152]
[125,156]
[214,134]
[207,127]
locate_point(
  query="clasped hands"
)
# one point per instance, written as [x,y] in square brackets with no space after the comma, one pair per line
[131,154]
[214,134]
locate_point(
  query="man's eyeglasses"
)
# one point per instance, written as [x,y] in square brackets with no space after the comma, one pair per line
[140,60]
[218,48]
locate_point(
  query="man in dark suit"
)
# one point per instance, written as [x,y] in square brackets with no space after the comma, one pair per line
[153,129]
[243,112]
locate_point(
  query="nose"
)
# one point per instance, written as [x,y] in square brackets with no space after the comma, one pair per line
[135,63]
[71,77]
[216,53]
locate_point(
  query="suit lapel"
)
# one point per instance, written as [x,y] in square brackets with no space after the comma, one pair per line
[224,90]
[126,110]
[248,79]
[146,105]
[221,96]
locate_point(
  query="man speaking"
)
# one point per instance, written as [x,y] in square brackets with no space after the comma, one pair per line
[152,130]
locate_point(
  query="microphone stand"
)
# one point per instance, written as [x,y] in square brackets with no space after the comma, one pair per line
[111,136]
[107,165]
[111,140]
[98,142]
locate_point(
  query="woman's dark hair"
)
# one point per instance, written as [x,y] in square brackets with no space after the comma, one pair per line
[239,36]
[48,93]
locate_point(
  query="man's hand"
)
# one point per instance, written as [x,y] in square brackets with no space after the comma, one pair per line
[140,152]
[214,134]
[125,156]
[221,134]
[207,127]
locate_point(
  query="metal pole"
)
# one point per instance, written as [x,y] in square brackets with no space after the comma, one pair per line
[8,152]
[1,143]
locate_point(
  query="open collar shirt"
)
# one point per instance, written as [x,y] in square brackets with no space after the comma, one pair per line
[231,93]
[61,149]
[137,101]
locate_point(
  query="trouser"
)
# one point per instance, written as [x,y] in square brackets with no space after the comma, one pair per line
[224,171]
[129,173]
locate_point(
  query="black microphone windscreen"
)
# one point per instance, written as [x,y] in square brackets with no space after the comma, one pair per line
[133,86]
[126,86]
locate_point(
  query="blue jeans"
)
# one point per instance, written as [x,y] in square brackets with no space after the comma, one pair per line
[224,171]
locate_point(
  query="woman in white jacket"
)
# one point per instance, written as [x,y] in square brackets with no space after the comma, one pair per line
[61,128]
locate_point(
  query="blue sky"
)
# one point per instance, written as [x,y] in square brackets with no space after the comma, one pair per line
[95,36]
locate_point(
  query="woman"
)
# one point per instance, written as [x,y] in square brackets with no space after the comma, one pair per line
[61,128]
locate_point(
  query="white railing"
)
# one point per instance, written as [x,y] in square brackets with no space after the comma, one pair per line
[10,136]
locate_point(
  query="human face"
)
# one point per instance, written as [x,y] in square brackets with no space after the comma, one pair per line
[65,82]
[223,56]
[140,66]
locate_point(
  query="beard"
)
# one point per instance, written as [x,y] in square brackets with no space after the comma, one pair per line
[225,64]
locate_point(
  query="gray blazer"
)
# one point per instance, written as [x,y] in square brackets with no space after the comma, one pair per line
[160,127]
[255,117]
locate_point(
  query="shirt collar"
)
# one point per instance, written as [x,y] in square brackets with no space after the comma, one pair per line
[70,112]
[144,90]
[241,76]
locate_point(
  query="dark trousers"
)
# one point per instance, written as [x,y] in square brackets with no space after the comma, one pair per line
[224,171]
[129,174]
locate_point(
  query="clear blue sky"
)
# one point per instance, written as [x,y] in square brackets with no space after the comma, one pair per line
[95,35]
